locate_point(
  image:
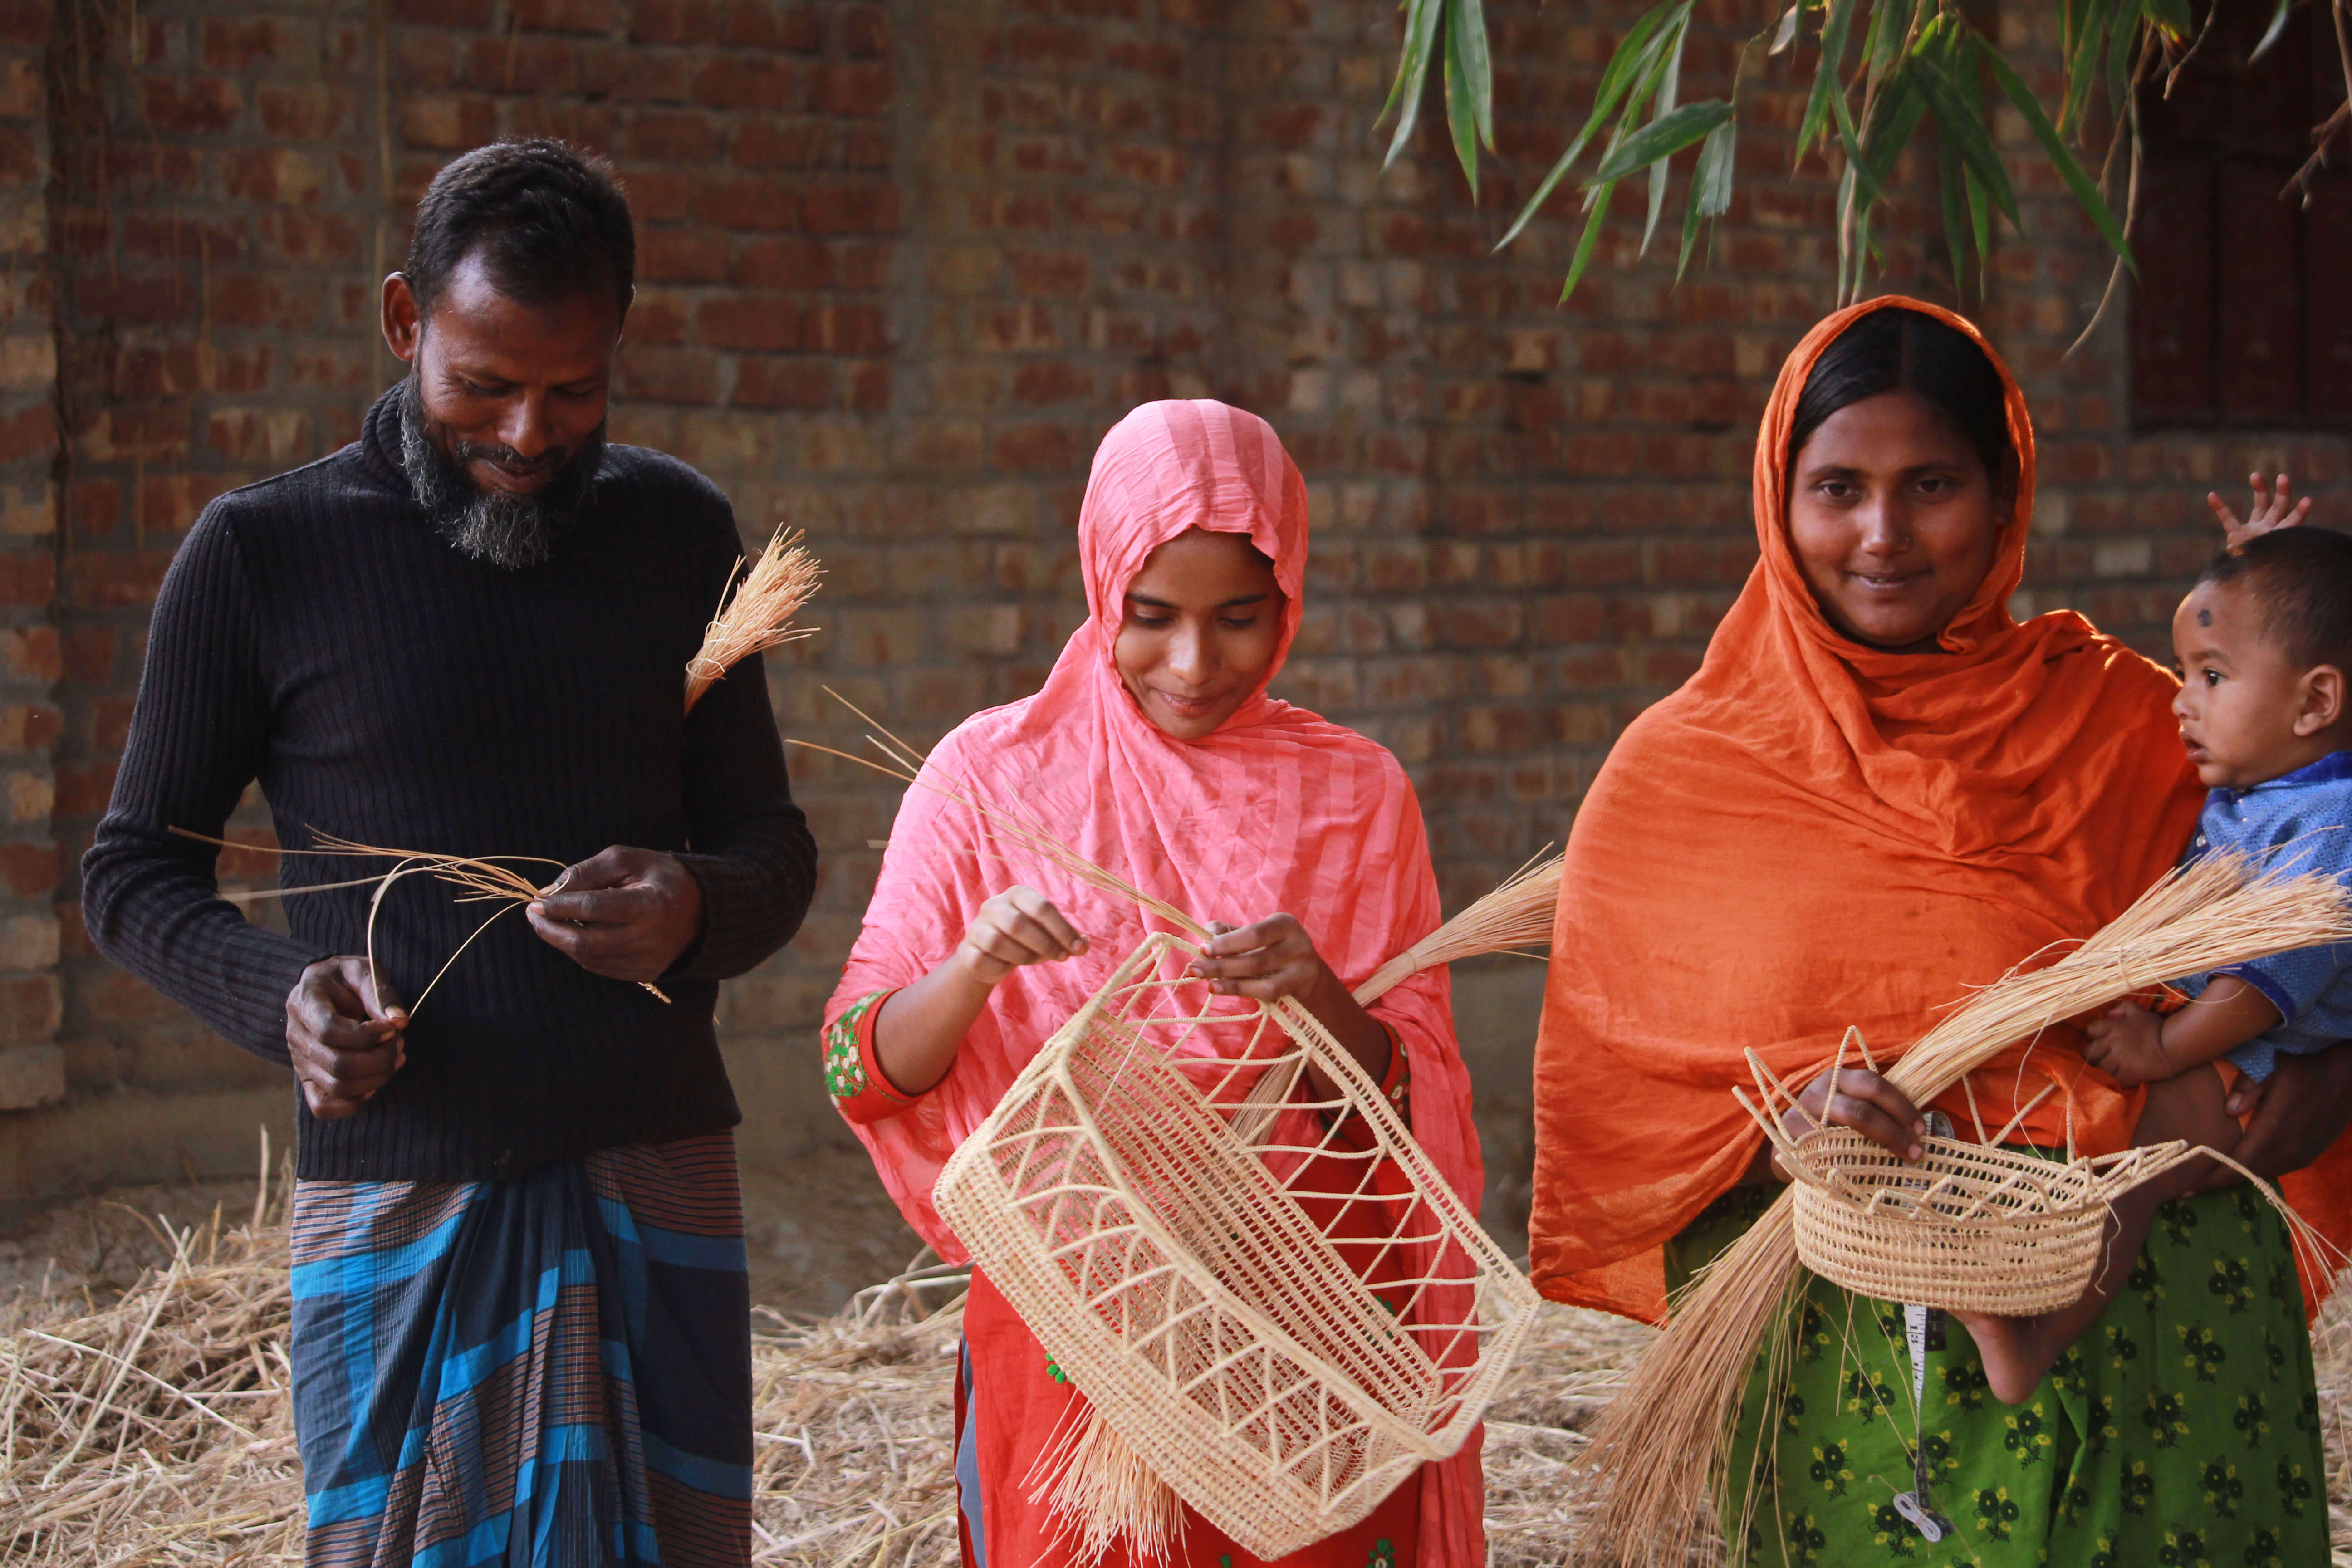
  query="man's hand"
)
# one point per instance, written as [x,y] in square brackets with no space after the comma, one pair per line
[343,1033]
[626,914]
[2264,512]
[2128,1045]
[2299,1110]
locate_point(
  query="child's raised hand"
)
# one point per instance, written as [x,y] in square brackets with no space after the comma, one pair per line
[2128,1045]
[2267,510]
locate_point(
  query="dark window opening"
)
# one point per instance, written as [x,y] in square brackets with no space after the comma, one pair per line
[2243,311]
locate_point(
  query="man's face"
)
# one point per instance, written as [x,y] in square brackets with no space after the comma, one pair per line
[509,391]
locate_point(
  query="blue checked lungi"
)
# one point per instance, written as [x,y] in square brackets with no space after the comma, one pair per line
[547,1371]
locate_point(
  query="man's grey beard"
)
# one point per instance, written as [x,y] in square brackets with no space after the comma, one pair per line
[506,530]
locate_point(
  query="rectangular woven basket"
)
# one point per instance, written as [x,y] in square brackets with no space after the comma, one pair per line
[1267,1290]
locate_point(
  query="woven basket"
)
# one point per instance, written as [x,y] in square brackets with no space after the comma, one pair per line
[1968,1227]
[1271,1296]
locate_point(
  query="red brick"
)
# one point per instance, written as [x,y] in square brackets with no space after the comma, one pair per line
[681,255]
[113,579]
[843,329]
[30,871]
[197,106]
[863,89]
[565,15]
[670,136]
[83,788]
[753,322]
[1051,380]
[254,43]
[25,21]
[665,376]
[851,209]
[1033,447]
[27,433]
[302,113]
[735,81]
[766,144]
[443,12]
[90,654]
[748,204]
[514,62]
[798,383]
[869,388]
[862,31]
[789,263]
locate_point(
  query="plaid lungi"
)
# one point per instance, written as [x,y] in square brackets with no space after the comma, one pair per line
[546,1371]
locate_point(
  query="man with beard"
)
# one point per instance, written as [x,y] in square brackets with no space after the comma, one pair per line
[521,1325]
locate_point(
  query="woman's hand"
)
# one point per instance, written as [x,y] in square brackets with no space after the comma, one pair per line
[2298,1112]
[1860,1099]
[2266,511]
[1270,959]
[920,1027]
[1020,926]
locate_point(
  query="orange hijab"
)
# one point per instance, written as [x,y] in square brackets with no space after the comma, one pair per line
[1813,834]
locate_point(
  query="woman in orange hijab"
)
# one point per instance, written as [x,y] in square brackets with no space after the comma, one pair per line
[1879,790]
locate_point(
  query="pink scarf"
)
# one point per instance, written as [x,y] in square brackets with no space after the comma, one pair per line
[1278,811]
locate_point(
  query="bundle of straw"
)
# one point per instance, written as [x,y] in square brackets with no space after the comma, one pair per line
[1517,914]
[759,614]
[1660,1457]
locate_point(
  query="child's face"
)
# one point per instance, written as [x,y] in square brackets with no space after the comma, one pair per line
[2246,709]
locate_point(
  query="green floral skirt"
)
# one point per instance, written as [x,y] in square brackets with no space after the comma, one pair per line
[2182,1431]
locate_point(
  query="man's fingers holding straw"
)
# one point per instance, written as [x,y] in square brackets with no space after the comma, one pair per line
[343,1034]
[626,914]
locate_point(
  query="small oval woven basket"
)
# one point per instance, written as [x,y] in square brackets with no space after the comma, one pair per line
[1968,1227]
[1266,1290]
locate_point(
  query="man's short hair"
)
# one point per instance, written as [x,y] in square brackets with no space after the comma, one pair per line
[547,220]
[2302,581]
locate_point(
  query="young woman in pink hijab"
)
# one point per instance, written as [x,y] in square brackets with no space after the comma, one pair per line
[1155,752]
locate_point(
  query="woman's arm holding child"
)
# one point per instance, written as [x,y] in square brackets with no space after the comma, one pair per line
[2134,1046]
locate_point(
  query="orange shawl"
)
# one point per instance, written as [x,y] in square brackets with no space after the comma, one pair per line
[1813,834]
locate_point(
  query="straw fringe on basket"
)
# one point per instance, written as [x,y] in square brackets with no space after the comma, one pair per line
[1659,1457]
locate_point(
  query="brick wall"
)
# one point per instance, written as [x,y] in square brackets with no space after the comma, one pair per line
[901,264]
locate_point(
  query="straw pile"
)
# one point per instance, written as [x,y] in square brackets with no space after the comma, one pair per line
[759,615]
[853,1414]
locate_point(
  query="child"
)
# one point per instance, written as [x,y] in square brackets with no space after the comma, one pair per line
[2264,642]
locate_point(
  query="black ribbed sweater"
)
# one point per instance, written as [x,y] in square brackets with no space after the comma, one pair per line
[316,633]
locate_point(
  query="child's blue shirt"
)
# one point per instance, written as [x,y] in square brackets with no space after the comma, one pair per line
[2301,823]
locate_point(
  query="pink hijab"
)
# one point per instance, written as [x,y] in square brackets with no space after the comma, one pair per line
[1278,811]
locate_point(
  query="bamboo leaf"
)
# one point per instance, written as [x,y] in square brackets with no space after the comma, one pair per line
[2271,33]
[2123,51]
[2171,15]
[1786,33]
[1584,242]
[1962,122]
[1710,187]
[1980,219]
[1421,19]
[1669,88]
[2083,54]
[1461,113]
[1890,27]
[1662,138]
[1467,36]
[1952,187]
[2086,190]
[1630,64]
[1836,23]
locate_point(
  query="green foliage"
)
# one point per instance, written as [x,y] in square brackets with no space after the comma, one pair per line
[1882,70]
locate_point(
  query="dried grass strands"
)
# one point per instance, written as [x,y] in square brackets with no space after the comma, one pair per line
[759,614]
[911,767]
[1517,914]
[1659,1458]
